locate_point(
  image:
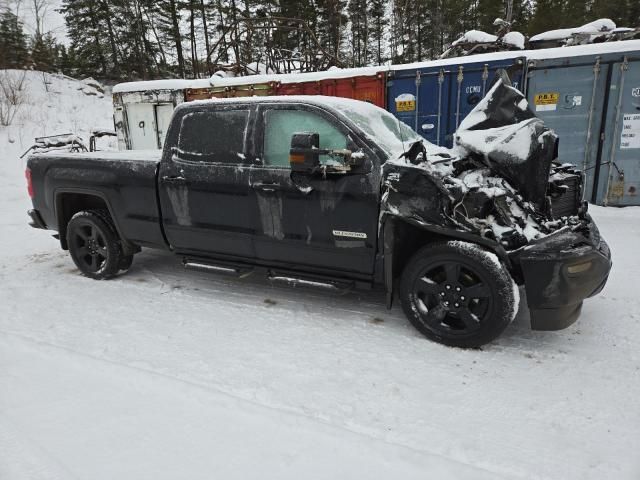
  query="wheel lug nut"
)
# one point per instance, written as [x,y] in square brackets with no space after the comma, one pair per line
[448,287]
[457,289]
[446,304]
[461,297]
[456,305]
[442,294]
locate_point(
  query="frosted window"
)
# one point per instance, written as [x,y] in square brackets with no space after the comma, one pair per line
[213,136]
[280,125]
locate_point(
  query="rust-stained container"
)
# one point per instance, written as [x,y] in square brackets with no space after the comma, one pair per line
[369,88]
[249,90]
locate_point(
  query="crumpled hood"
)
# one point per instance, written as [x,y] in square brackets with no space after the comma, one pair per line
[511,140]
[499,182]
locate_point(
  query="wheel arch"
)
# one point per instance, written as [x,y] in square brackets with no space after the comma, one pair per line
[402,237]
[68,202]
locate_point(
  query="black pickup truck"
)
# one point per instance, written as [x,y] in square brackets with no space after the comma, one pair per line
[339,192]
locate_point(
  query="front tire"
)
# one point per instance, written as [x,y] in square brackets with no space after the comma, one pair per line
[94,244]
[458,294]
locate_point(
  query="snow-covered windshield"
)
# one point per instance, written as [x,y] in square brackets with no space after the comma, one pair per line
[392,135]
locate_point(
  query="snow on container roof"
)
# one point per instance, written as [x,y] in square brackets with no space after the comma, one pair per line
[475,36]
[596,27]
[297,77]
[171,84]
[540,54]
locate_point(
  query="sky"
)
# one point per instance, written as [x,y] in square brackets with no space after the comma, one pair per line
[52,22]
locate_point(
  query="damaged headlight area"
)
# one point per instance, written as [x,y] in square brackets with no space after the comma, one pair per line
[466,195]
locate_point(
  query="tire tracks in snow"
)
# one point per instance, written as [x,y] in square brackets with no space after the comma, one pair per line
[239,400]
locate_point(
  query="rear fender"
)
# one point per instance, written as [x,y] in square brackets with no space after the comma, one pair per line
[70,201]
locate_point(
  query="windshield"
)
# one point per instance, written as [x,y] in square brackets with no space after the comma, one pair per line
[392,135]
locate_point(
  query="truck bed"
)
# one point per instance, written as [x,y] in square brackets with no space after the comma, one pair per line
[126,181]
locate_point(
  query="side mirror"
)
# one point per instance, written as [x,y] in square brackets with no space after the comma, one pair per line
[304,155]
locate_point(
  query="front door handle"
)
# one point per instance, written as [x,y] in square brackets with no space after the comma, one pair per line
[173,179]
[266,187]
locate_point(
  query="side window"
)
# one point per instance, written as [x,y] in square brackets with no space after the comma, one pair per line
[213,136]
[281,124]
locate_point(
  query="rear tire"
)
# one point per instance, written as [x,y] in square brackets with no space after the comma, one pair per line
[94,244]
[458,294]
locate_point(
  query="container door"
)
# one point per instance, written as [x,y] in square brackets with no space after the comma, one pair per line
[619,177]
[570,98]
[163,118]
[469,83]
[142,128]
[419,98]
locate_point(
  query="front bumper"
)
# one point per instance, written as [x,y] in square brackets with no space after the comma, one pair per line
[560,271]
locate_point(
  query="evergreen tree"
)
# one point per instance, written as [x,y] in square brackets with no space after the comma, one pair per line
[13,44]
[44,52]
[378,24]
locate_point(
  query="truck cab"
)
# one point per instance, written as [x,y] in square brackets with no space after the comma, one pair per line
[226,188]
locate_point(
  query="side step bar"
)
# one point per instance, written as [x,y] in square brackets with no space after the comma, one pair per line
[274,275]
[236,271]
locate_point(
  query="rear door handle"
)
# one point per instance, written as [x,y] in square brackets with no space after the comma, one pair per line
[266,187]
[174,179]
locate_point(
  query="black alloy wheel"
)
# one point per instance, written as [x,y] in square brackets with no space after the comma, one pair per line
[94,244]
[458,294]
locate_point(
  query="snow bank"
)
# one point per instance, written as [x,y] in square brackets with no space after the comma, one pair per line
[56,107]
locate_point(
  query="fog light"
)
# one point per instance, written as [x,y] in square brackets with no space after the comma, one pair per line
[579,267]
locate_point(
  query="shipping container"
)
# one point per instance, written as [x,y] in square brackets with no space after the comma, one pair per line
[368,88]
[593,103]
[231,91]
[142,111]
[434,97]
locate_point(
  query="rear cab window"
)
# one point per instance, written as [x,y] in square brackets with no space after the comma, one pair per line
[213,136]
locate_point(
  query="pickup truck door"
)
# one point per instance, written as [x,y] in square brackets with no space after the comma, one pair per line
[331,223]
[204,183]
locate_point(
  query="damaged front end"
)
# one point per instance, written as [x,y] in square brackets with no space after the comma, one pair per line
[502,183]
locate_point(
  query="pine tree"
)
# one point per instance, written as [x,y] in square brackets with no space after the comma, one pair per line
[331,28]
[168,14]
[548,15]
[378,24]
[13,45]
[44,52]
[86,32]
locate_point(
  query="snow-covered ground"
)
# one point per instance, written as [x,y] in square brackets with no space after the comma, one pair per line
[169,373]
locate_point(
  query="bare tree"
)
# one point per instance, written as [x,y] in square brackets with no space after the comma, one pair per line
[11,95]
[39,9]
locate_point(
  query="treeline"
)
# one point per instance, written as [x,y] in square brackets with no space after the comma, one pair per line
[147,39]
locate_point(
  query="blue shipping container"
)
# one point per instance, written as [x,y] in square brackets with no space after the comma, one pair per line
[433,100]
[593,103]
